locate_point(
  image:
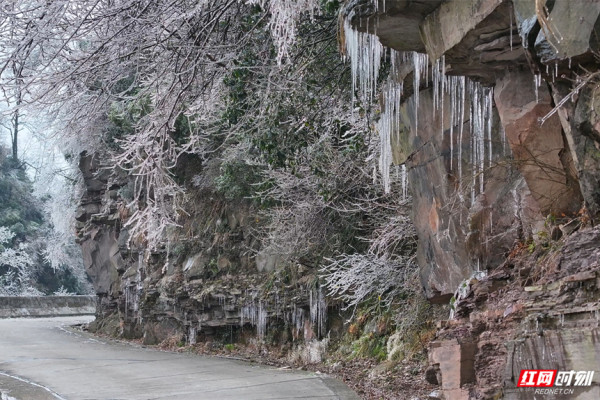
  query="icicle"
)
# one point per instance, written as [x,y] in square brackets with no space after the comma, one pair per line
[537,81]
[481,126]
[455,87]
[544,350]
[454,96]
[416,84]
[434,79]
[420,66]
[127,298]
[481,139]
[452,100]
[473,140]
[442,88]
[489,116]
[438,80]
[503,133]
[523,38]
[462,84]
[404,182]
[426,65]
[192,335]
[318,310]
[388,123]
[393,62]
[256,316]
[511,29]
[262,319]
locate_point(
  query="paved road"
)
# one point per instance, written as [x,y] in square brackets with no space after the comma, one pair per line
[40,359]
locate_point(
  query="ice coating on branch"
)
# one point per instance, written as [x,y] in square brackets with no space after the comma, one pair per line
[285,15]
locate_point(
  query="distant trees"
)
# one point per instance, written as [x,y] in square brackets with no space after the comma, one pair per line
[32,248]
[15,266]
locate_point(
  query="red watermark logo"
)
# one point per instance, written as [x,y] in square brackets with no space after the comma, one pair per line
[551,377]
[536,377]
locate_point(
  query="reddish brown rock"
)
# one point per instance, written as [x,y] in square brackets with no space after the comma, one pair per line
[537,148]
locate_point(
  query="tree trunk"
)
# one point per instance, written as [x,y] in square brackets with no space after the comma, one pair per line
[15,136]
[18,75]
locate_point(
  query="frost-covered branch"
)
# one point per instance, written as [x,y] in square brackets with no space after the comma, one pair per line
[355,278]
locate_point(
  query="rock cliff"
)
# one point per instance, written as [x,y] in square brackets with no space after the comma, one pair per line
[498,129]
[206,287]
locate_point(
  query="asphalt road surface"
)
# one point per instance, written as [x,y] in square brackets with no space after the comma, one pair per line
[42,359]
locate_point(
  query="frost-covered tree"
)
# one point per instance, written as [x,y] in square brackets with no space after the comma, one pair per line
[15,266]
[256,86]
[59,185]
[161,62]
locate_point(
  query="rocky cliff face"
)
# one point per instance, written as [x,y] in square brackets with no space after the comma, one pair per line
[498,127]
[501,179]
[206,287]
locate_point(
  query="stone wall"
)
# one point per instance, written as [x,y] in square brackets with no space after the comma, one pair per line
[46,306]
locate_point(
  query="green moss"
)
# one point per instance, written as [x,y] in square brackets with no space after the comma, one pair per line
[229,347]
[237,180]
[370,346]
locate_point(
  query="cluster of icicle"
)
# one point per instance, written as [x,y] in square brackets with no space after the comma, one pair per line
[255,313]
[464,96]
[364,52]
[257,316]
